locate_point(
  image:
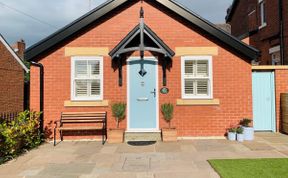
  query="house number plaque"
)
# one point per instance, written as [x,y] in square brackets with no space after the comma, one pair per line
[164,90]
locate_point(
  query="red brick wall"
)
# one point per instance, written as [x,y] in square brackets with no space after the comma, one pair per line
[281,86]
[12,82]
[231,75]
[265,38]
[285,16]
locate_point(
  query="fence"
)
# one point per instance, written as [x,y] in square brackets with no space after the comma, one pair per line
[8,117]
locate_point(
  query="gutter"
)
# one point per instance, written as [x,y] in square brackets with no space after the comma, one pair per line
[281,29]
[41,67]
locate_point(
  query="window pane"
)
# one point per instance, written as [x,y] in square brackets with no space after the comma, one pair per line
[95,87]
[202,87]
[202,68]
[94,67]
[81,68]
[81,88]
[189,67]
[189,88]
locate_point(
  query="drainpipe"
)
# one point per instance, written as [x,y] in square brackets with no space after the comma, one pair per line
[41,93]
[281,29]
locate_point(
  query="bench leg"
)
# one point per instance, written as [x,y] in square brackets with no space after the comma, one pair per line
[54,136]
[103,134]
[61,135]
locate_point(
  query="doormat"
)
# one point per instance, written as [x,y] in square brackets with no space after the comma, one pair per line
[141,143]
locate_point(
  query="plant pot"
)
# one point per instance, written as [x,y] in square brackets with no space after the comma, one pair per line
[240,137]
[169,135]
[232,136]
[115,135]
[248,133]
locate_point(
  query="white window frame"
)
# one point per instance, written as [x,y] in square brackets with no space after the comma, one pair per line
[86,58]
[262,11]
[210,76]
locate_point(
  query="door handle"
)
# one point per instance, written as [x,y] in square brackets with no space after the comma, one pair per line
[142,99]
[153,92]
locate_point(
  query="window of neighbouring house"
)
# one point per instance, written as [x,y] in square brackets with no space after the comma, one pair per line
[87,78]
[262,14]
[197,77]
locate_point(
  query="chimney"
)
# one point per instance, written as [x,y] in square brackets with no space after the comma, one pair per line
[19,48]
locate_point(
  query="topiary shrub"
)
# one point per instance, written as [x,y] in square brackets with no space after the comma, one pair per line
[118,111]
[167,111]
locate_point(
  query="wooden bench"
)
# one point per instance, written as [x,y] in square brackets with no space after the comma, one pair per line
[72,121]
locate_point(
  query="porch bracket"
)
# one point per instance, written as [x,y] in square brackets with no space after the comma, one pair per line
[120,80]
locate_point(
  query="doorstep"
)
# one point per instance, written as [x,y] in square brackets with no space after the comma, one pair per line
[142,136]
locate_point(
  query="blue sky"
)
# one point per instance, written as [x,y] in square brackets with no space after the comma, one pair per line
[57,13]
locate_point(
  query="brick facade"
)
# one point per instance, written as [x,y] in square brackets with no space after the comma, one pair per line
[281,86]
[231,74]
[12,82]
[245,21]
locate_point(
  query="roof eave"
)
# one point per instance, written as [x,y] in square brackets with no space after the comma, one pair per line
[232,10]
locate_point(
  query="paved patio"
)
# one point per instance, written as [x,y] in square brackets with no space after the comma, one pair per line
[183,159]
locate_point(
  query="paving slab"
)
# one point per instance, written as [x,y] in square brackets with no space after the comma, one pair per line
[254,146]
[185,158]
[168,147]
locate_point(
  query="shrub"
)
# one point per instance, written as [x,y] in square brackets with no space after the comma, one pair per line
[19,134]
[245,122]
[239,130]
[232,129]
[167,111]
[118,111]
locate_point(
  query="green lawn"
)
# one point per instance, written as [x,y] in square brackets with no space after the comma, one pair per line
[251,168]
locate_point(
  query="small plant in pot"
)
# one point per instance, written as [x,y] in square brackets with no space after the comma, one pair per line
[232,133]
[118,111]
[240,135]
[248,130]
[168,134]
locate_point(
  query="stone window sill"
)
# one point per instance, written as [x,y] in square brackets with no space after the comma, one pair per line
[102,103]
[192,102]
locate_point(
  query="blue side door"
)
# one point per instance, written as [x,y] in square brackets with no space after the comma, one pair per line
[264,101]
[142,95]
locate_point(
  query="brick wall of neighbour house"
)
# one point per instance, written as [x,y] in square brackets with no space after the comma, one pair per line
[267,37]
[231,75]
[241,12]
[11,82]
[285,11]
[281,86]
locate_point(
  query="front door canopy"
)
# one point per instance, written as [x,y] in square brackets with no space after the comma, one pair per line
[141,38]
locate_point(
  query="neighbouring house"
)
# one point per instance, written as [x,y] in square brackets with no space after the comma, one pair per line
[133,51]
[265,22]
[12,71]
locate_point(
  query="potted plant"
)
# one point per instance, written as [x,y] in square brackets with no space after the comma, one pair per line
[168,134]
[232,133]
[240,135]
[118,112]
[248,130]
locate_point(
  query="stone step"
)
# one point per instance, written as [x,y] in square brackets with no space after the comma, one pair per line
[142,136]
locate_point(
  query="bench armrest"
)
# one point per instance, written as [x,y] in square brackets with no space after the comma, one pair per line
[56,123]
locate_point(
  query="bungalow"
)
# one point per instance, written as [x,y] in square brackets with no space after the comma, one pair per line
[145,53]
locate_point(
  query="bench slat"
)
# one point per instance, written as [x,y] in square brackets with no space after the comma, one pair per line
[80,128]
[88,117]
[82,121]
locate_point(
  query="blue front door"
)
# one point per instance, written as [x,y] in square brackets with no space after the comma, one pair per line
[263,101]
[142,94]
